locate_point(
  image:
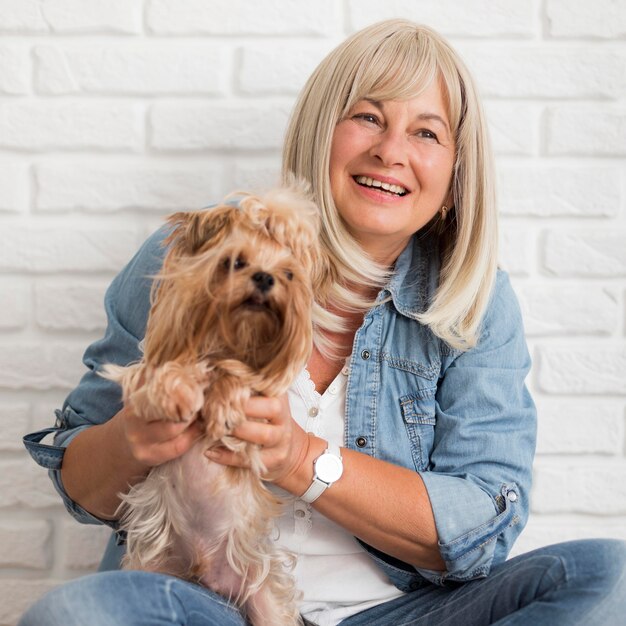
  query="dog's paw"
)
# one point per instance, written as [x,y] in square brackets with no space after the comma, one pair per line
[183,401]
[178,391]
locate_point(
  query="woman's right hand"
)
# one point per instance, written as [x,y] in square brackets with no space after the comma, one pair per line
[103,461]
[151,443]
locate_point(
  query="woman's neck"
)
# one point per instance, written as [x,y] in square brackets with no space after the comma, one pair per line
[324,368]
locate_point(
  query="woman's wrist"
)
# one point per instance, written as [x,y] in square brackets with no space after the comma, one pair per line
[129,464]
[298,479]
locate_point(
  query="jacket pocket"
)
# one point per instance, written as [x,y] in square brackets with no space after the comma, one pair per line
[418,413]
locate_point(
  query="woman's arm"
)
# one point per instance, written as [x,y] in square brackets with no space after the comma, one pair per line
[99,449]
[103,461]
[369,500]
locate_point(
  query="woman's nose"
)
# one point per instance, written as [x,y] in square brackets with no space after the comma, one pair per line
[390,148]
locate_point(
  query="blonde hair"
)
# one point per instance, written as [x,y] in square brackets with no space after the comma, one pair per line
[395,60]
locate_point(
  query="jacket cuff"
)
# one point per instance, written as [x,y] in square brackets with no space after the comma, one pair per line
[50,456]
[469,522]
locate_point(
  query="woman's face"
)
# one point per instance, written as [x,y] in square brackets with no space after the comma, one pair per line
[391,168]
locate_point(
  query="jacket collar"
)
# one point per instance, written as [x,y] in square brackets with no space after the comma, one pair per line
[416,276]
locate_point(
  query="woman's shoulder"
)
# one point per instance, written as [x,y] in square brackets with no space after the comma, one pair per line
[128,299]
[149,257]
[503,295]
[503,316]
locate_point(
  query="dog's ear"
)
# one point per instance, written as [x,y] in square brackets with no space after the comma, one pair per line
[192,230]
[289,216]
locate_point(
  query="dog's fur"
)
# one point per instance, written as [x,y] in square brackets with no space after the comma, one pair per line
[231,316]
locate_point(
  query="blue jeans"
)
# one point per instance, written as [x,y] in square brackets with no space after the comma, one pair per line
[579,582]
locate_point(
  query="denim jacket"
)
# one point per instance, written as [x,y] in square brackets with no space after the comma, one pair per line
[463,420]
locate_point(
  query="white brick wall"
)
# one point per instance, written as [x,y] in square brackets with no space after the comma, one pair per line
[114,113]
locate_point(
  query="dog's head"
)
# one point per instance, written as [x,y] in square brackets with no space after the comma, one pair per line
[237,282]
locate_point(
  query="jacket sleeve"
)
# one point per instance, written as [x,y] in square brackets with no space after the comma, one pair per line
[480,496]
[96,399]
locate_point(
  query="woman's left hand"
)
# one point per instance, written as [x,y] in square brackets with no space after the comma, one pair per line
[284,444]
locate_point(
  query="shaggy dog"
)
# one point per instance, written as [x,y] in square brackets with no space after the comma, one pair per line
[232,315]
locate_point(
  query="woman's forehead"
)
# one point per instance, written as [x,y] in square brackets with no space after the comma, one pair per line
[403,92]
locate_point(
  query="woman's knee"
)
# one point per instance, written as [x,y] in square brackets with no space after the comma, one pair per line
[130,598]
[97,599]
[595,570]
[601,562]
[68,604]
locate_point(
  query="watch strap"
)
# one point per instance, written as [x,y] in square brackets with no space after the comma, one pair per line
[317,488]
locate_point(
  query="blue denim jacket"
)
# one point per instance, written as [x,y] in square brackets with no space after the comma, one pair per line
[463,420]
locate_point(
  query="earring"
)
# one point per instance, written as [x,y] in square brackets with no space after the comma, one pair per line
[444,212]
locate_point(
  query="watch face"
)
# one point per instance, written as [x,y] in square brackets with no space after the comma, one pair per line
[328,468]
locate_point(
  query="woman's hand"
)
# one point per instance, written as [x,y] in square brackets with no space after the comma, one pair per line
[284,444]
[102,461]
[151,443]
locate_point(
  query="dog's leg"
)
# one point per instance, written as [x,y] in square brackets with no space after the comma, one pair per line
[172,391]
[225,409]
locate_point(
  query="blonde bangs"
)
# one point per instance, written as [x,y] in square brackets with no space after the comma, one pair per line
[402,67]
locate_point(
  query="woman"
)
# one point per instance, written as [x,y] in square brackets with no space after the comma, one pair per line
[428,424]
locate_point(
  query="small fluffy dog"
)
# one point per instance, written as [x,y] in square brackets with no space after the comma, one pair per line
[231,316]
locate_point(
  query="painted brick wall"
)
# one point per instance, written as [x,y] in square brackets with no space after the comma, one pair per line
[114,113]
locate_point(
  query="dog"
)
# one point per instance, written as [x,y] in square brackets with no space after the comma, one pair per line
[232,315]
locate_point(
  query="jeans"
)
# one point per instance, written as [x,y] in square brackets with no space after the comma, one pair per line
[579,582]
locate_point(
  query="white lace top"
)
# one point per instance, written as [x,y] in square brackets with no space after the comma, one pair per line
[334,573]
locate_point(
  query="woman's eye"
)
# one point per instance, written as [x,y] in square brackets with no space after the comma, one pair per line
[367,117]
[426,134]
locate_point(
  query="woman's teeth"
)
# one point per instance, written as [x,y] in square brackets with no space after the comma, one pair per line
[372,182]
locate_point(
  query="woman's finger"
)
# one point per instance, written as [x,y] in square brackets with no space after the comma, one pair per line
[169,444]
[224,456]
[184,441]
[160,431]
[264,434]
[269,409]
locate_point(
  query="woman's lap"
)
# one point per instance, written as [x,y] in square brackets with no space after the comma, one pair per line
[131,598]
[578,582]
[570,583]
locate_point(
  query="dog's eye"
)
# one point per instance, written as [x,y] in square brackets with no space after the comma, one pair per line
[239,263]
[289,275]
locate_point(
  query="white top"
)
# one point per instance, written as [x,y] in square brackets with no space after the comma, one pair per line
[335,574]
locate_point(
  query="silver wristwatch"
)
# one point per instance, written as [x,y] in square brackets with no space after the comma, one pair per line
[328,469]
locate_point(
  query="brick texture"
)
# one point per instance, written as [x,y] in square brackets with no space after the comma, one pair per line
[112,186]
[605,130]
[113,114]
[130,69]
[604,19]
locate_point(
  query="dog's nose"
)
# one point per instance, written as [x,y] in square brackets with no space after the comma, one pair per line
[263,281]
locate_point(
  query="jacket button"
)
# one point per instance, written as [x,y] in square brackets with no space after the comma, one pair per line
[365,355]
[361,442]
